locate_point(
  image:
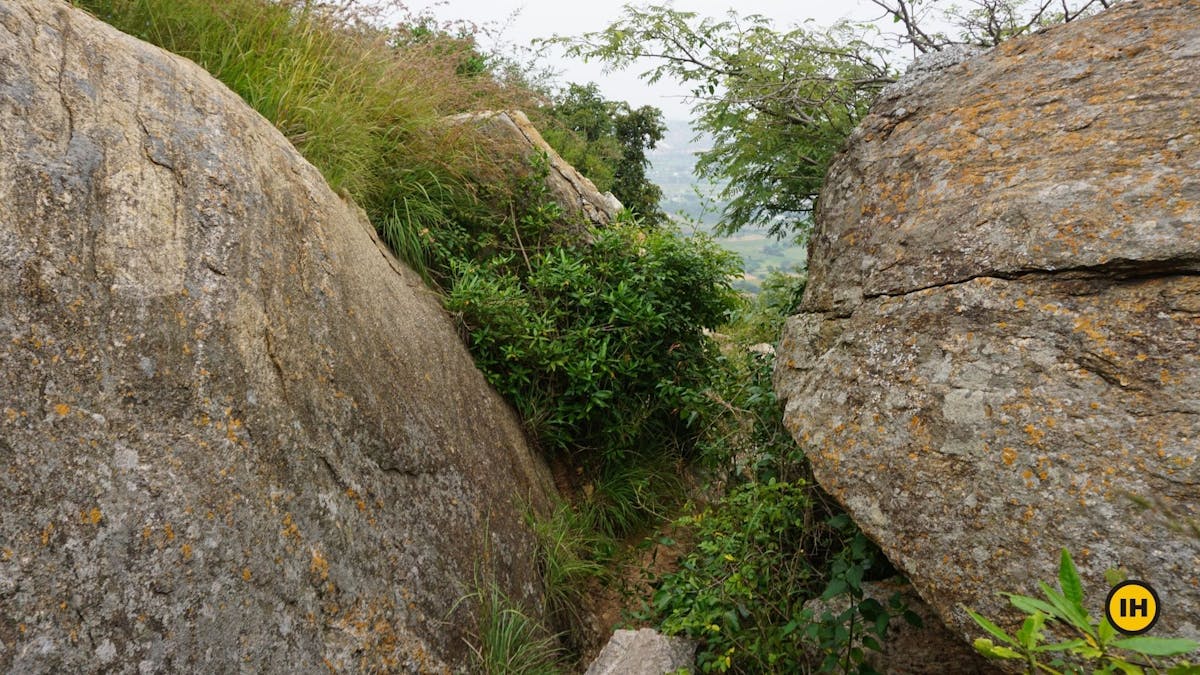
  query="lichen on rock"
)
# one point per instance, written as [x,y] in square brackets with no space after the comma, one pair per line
[235,432]
[995,355]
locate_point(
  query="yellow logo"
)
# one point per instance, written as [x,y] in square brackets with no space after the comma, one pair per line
[1132,607]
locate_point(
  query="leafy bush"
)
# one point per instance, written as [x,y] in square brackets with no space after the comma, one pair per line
[760,556]
[1096,647]
[761,318]
[774,542]
[740,588]
[599,345]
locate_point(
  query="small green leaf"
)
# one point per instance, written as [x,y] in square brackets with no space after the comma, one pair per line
[1031,630]
[1155,646]
[1107,632]
[913,619]
[990,627]
[1125,666]
[1061,646]
[835,588]
[1068,578]
[993,651]
[1074,614]
[1030,605]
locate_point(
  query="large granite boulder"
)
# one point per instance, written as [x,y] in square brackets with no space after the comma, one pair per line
[996,355]
[235,433]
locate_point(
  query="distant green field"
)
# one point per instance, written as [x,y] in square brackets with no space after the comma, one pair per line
[684,196]
[762,254]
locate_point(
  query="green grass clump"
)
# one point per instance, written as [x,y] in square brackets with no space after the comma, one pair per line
[511,641]
[362,103]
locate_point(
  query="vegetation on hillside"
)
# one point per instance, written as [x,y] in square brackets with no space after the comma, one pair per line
[608,141]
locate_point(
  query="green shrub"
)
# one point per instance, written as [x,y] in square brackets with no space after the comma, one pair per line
[761,554]
[599,345]
[745,581]
[773,542]
[1093,646]
[761,317]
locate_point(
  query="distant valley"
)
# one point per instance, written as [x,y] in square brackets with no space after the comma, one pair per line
[685,197]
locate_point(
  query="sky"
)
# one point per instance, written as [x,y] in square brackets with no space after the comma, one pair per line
[519,22]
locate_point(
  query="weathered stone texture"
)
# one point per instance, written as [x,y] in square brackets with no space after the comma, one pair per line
[235,434]
[518,142]
[644,652]
[996,355]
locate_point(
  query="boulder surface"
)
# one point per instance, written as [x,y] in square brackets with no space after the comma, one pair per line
[235,433]
[518,143]
[644,652]
[995,357]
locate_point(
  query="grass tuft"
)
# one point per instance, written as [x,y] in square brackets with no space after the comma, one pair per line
[362,103]
[510,641]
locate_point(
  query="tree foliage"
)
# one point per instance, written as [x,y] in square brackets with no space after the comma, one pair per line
[600,346]
[778,105]
[607,141]
[982,23]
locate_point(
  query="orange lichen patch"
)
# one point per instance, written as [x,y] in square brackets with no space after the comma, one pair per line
[1090,328]
[246,575]
[93,516]
[1035,435]
[46,532]
[169,532]
[186,550]
[1009,455]
[319,565]
[62,409]
[289,527]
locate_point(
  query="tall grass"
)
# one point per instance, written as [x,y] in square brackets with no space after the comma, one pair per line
[364,104]
[510,641]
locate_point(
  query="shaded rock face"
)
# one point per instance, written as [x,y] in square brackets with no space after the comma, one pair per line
[235,434]
[582,204]
[996,354]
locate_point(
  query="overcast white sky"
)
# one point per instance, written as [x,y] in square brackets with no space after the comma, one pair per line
[525,20]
